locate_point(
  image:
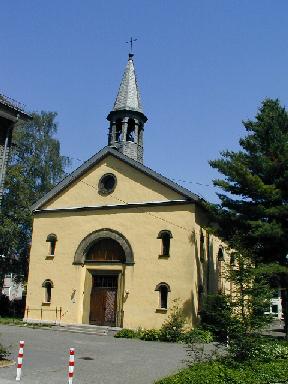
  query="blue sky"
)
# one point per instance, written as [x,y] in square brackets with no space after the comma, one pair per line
[202,66]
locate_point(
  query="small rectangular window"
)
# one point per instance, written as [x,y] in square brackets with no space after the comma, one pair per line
[48,294]
[165,235]
[47,285]
[163,297]
[52,239]
[52,247]
[165,245]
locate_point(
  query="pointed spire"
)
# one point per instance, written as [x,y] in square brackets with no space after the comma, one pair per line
[127,118]
[128,97]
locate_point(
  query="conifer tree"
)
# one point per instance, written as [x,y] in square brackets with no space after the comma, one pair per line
[253,212]
[252,215]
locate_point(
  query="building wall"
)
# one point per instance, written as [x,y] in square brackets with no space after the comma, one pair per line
[132,186]
[140,227]
[182,270]
[212,271]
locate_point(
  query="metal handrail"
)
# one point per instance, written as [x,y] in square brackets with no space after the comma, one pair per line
[58,311]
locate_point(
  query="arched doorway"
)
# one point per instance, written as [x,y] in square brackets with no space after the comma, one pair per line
[104,253]
[105,287]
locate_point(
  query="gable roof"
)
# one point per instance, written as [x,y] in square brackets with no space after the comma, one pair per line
[100,156]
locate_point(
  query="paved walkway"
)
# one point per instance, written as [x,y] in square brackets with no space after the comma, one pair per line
[276,329]
[98,360]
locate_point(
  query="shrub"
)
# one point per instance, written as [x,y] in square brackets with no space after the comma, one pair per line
[172,328]
[269,351]
[149,335]
[241,346]
[127,334]
[197,335]
[219,372]
[13,308]
[3,352]
[256,347]
[216,316]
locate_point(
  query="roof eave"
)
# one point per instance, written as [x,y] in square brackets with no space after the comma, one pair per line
[124,112]
[12,113]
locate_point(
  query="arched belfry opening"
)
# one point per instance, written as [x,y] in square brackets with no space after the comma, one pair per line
[104,254]
[118,130]
[127,118]
[131,130]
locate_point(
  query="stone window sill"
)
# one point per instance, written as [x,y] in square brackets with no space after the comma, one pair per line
[161,310]
[163,256]
[45,304]
[49,257]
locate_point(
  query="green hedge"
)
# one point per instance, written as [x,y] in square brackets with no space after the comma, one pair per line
[255,372]
[126,334]
[196,335]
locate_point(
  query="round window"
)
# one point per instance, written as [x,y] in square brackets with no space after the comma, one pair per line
[107,183]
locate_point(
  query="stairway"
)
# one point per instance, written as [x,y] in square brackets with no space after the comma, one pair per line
[87,329]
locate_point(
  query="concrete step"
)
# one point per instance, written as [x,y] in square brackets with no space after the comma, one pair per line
[86,332]
[86,329]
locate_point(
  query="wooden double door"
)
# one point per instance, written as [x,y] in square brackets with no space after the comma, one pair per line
[103,300]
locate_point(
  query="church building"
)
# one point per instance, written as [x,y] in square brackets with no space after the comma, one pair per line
[115,243]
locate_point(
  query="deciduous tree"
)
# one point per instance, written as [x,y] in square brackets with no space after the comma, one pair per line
[35,166]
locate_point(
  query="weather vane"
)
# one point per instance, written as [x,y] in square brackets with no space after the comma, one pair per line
[131,44]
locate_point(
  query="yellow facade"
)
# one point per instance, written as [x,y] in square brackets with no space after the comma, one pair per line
[189,270]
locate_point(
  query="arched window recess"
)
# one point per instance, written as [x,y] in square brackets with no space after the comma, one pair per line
[51,239]
[163,289]
[47,285]
[104,245]
[105,251]
[165,235]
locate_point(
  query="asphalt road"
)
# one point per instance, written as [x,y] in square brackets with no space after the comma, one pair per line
[109,360]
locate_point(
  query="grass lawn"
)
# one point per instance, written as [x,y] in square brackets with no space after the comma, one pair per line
[10,321]
[221,372]
[19,322]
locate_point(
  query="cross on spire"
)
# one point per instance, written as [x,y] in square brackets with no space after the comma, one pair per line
[131,44]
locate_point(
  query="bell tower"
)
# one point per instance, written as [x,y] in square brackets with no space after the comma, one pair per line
[127,118]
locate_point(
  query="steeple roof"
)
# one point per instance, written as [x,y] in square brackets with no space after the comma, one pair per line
[128,97]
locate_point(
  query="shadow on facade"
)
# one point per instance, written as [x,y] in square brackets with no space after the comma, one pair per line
[208,273]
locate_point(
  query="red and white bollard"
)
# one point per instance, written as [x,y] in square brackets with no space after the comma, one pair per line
[71,365]
[20,360]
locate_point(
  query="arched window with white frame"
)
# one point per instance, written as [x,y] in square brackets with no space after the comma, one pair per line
[51,239]
[165,235]
[163,289]
[47,285]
